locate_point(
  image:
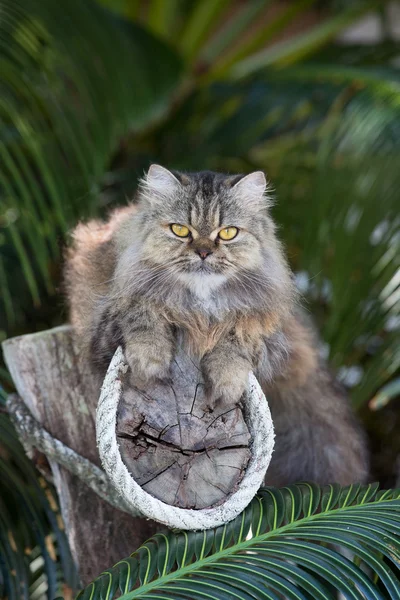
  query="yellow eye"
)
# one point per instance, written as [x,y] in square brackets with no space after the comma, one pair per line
[228,233]
[180,230]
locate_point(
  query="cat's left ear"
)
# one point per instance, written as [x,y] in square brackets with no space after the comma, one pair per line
[159,183]
[252,188]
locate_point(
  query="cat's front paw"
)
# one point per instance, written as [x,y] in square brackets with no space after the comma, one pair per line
[148,362]
[226,385]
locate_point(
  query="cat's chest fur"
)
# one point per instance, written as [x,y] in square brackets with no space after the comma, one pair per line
[199,331]
[204,294]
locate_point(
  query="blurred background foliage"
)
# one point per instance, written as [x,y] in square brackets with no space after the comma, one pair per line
[92,92]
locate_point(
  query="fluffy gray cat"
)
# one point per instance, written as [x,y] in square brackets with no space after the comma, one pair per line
[197,262]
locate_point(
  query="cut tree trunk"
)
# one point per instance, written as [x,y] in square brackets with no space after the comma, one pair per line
[61,394]
[177,448]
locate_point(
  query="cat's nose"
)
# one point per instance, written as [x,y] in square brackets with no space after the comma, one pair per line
[203,252]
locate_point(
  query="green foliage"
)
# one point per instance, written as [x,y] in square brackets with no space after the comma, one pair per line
[386,394]
[74,80]
[299,542]
[35,561]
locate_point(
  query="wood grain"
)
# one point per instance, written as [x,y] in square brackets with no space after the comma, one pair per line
[177,447]
[60,392]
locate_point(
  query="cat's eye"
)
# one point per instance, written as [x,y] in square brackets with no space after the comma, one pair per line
[228,233]
[180,230]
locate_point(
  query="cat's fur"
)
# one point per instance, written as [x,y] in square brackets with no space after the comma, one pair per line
[131,281]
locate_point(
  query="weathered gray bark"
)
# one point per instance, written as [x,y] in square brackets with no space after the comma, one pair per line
[61,394]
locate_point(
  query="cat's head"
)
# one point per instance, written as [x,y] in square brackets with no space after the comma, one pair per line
[205,230]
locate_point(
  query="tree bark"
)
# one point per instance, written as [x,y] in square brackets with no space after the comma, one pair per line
[61,394]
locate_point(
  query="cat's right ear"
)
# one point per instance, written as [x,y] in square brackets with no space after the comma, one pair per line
[158,184]
[253,189]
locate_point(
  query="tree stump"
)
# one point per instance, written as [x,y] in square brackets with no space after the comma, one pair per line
[167,454]
[177,447]
[61,394]
[201,465]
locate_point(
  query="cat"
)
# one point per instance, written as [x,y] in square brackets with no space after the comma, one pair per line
[197,259]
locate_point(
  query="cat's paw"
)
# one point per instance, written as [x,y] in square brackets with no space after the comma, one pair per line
[148,362]
[226,385]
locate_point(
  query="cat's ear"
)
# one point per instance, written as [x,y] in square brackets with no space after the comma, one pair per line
[159,183]
[252,188]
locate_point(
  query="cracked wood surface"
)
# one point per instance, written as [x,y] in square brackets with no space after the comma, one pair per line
[175,446]
[57,388]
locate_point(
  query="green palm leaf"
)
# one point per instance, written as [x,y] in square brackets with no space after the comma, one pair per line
[62,120]
[34,555]
[303,45]
[299,542]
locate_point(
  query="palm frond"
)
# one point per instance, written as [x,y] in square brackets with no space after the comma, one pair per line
[296,542]
[303,45]
[35,560]
[62,120]
[259,40]
[197,28]
[385,395]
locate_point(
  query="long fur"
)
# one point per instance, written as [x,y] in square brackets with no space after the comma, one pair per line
[131,281]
